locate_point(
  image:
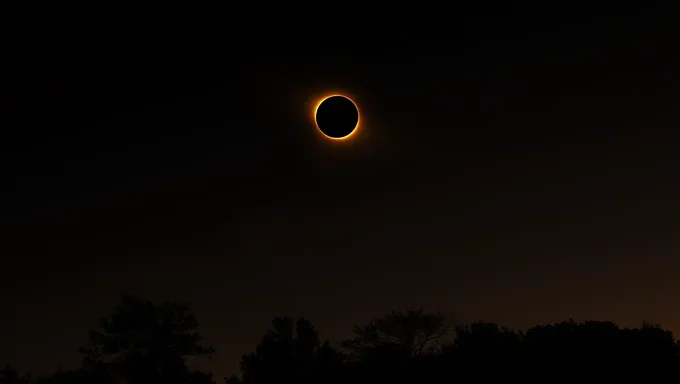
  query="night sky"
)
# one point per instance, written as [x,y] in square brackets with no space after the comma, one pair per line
[518,166]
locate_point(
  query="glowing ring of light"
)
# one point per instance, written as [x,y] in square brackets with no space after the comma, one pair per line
[318,104]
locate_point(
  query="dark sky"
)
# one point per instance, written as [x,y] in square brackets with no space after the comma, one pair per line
[514,165]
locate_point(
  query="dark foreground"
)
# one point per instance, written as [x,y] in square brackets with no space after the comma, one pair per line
[147,343]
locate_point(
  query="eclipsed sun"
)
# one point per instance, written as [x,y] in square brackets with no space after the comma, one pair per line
[336,117]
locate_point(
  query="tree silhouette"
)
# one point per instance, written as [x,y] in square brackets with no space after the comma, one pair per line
[290,351]
[147,343]
[413,332]
[483,349]
[80,376]
[396,346]
[652,347]
[9,375]
[604,348]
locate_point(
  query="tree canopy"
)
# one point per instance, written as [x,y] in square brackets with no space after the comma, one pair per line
[143,342]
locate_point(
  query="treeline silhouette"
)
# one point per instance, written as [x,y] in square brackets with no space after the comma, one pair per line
[147,343]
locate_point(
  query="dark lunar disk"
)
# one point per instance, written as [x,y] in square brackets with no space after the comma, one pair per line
[337,117]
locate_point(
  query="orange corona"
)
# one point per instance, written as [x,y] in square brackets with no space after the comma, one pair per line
[320,100]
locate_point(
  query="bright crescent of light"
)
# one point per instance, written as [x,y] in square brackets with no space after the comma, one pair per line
[316,108]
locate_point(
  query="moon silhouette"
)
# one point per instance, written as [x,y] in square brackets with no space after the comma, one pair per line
[337,117]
